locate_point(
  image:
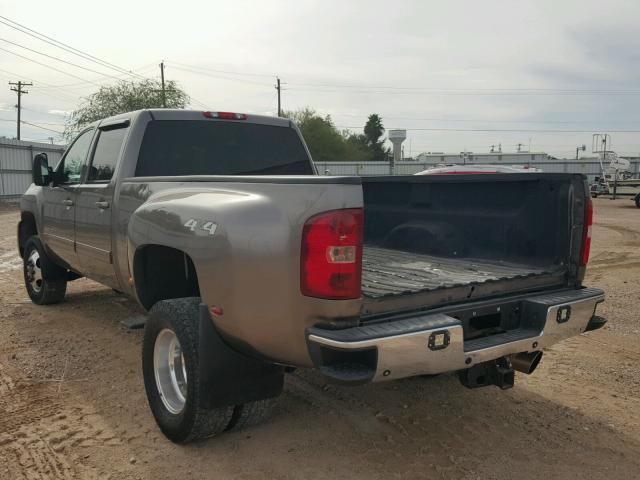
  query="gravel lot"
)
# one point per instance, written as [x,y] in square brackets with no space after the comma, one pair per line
[72,402]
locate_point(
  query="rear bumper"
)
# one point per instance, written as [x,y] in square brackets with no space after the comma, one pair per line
[430,343]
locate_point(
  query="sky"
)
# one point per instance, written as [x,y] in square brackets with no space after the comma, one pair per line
[458,75]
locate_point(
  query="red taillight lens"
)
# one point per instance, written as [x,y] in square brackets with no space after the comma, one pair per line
[225,115]
[331,255]
[586,233]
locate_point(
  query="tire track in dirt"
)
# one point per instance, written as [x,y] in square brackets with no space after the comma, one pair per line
[608,258]
[621,266]
[38,430]
[629,235]
[23,408]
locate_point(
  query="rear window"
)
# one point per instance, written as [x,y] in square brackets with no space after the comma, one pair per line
[192,147]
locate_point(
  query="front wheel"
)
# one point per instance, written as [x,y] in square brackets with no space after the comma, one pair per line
[638,201]
[46,283]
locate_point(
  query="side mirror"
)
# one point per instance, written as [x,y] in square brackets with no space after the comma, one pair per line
[41,172]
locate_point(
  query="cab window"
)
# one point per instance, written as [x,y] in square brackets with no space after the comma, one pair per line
[73,163]
[106,155]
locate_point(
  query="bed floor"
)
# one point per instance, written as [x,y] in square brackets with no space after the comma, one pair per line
[387,272]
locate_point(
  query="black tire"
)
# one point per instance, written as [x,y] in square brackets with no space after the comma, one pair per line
[251,414]
[638,201]
[193,422]
[46,282]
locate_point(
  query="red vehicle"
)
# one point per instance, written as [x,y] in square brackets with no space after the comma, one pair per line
[477,169]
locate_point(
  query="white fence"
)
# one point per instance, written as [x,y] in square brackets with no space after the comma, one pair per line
[16,159]
[590,168]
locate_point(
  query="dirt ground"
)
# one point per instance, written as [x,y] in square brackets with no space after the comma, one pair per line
[72,402]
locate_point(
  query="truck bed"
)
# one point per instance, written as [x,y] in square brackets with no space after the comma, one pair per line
[435,239]
[388,272]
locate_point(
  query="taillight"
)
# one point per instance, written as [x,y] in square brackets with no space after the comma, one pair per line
[225,115]
[586,233]
[331,255]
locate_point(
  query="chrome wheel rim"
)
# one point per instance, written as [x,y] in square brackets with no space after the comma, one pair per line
[170,371]
[34,273]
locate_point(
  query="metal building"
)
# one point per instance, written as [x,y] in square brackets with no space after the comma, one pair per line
[587,166]
[16,159]
[515,158]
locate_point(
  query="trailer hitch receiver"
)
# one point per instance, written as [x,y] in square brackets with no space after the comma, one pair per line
[497,372]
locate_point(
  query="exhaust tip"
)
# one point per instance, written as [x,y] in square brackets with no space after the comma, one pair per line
[526,362]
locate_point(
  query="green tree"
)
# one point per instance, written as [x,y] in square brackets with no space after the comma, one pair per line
[125,97]
[324,141]
[373,131]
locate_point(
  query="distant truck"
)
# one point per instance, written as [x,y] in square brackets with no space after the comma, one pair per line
[627,187]
[598,189]
[251,265]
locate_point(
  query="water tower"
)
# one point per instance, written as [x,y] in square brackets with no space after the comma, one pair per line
[397,137]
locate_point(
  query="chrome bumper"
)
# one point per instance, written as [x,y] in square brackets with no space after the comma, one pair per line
[434,343]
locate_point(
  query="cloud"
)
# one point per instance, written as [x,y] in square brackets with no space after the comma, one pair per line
[354,47]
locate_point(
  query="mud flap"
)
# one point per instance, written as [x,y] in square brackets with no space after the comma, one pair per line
[229,377]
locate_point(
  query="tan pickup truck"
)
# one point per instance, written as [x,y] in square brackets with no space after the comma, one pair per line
[250,264]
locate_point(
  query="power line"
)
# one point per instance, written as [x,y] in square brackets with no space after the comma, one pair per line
[39,89]
[409,89]
[119,77]
[59,59]
[220,77]
[247,74]
[31,124]
[474,90]
[56,43]
[41,127]
[24,122]
[510,130]
[559,122]
[389,90]
[192,100]
[474,93]
[47,66]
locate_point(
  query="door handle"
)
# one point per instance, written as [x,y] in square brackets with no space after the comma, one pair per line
[102,205]
[68,202]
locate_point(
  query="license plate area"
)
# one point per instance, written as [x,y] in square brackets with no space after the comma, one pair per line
[493,319]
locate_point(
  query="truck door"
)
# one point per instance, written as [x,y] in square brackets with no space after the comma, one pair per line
[94,210]
[59,205]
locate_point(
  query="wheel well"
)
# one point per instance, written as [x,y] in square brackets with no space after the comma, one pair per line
[26,228]
[162,273]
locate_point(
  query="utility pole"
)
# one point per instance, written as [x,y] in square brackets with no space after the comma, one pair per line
[278,89]
[164,94]
[18,89]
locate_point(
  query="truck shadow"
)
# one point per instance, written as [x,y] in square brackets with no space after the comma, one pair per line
[434,423]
